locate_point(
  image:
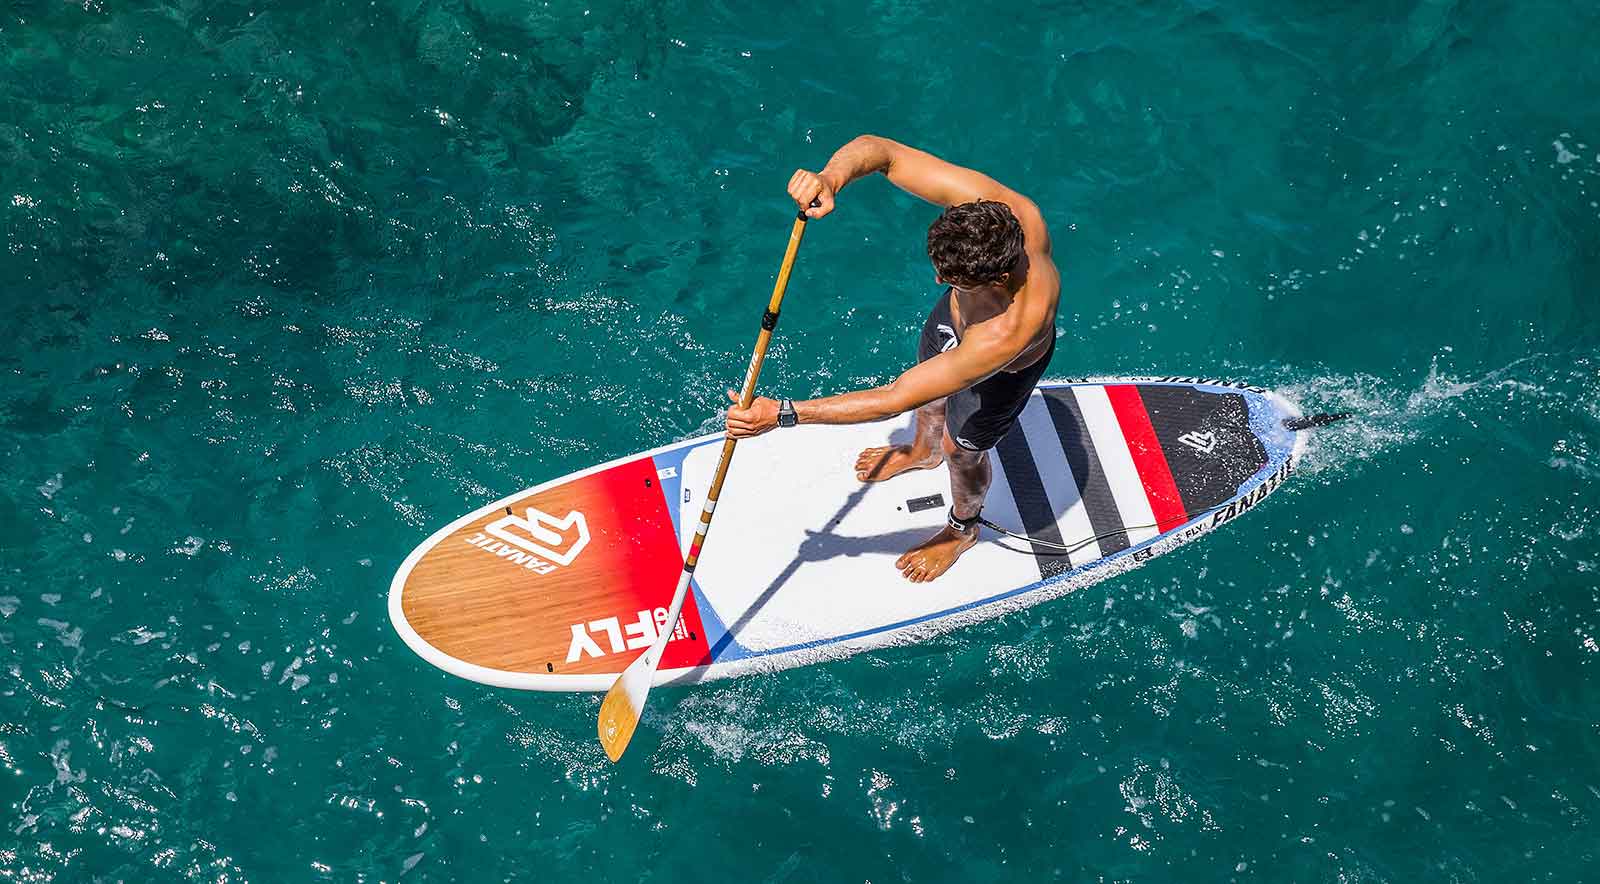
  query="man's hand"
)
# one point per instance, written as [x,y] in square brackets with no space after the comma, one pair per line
[761,416]
[808,186]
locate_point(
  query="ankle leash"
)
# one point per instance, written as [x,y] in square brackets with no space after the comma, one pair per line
[964,526]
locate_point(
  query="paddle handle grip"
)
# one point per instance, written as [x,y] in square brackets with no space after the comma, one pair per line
[747,394]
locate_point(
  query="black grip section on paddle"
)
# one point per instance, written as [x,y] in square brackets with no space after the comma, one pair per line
[769,320]
[801,215]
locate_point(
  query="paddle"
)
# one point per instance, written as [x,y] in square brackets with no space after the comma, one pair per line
[624,703]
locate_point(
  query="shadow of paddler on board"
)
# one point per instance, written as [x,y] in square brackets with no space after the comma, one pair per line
[823,544]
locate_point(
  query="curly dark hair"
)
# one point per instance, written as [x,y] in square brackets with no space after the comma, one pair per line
[974,243]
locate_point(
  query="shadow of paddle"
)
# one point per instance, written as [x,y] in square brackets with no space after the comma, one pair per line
[824,544]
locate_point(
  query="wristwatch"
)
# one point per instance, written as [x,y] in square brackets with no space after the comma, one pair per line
[786,415]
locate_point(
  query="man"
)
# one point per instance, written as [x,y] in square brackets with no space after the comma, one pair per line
[984,346]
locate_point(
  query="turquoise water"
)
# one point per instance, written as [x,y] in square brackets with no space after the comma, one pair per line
[290,285]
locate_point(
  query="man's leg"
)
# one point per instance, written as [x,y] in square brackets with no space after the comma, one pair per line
[970,476]
[924,452]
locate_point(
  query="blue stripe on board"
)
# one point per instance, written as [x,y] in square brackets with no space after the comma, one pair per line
[725,648]
[672,486]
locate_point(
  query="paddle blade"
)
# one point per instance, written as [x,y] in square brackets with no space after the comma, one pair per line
[624,703]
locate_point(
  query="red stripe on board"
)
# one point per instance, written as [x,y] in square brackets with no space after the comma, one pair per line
[1165,502]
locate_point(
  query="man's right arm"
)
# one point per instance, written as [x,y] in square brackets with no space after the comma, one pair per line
[862,156]
[918,173]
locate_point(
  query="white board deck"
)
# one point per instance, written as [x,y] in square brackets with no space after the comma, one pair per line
[799,565]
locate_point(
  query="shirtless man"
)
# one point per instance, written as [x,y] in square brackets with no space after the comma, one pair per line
[984,346]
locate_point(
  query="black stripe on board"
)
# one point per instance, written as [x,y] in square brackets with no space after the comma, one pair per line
[1093,487]
[1027,489]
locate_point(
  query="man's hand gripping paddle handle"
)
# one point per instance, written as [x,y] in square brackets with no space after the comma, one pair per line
[624,703]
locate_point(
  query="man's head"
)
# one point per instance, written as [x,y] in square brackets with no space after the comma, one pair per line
[975,244]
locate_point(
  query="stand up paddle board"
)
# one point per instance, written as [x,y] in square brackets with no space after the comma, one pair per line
[559,587]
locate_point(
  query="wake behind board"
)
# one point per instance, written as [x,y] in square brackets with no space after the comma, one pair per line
[559,587]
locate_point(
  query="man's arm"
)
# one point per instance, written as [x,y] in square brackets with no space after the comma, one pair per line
[918,173]
[948,372]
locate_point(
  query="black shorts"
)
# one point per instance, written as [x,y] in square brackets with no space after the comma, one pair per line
[978,416]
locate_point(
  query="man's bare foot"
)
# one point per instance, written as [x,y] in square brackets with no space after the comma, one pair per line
[935,555]
[886,462]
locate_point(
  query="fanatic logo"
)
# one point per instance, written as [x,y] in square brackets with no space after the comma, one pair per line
[1204,443]
[535,540]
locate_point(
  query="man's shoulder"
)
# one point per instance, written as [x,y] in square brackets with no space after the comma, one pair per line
[1039,299]
[1035,233]
[1043,282]
[1016,328]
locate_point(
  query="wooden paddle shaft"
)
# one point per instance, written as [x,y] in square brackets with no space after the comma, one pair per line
[769,321]
[624,703]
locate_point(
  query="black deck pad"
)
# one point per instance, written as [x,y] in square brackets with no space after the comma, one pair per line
[1207,440]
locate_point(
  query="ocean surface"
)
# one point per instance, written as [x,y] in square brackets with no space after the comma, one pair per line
[289,285]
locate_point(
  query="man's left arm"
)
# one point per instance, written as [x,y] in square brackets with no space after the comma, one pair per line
[948,372]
